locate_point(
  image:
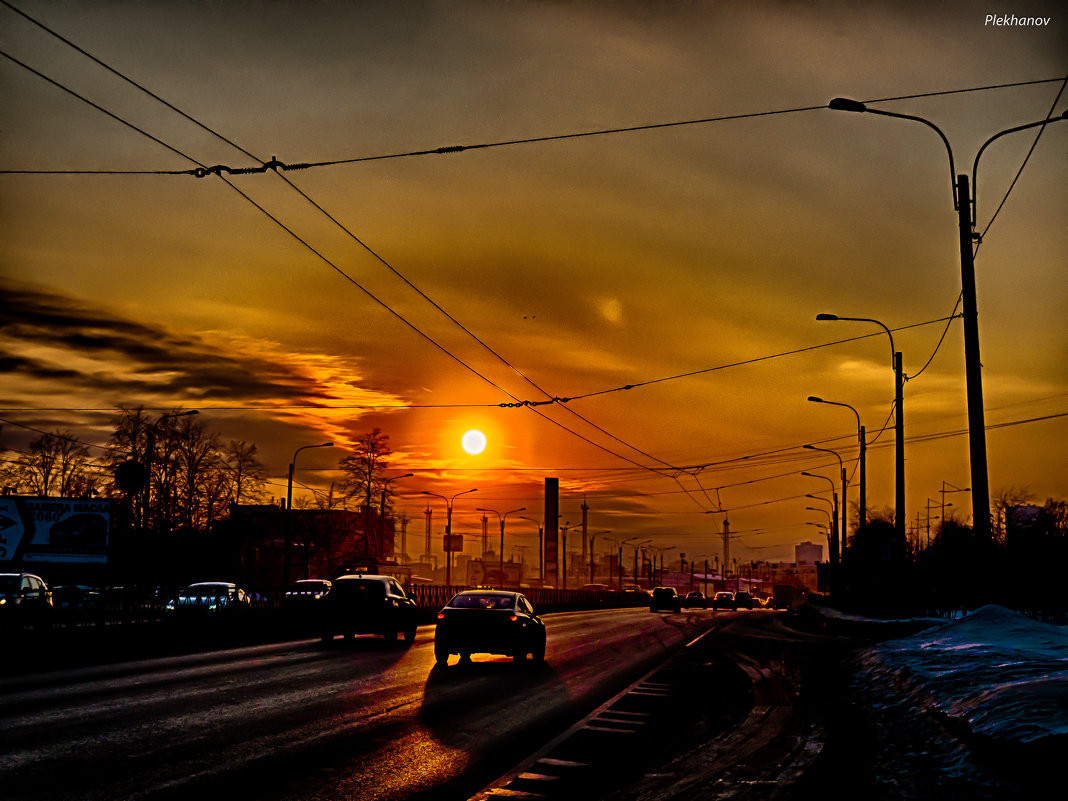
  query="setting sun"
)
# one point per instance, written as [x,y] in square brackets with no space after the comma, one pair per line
[473,442]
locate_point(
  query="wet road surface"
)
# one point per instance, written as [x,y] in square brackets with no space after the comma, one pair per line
[300,720]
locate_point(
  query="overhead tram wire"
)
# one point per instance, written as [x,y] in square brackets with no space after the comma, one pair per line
[341,272]
[277,166]
[368,249]
[204,171]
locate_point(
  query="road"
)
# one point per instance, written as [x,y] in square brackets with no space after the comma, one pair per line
[301,720]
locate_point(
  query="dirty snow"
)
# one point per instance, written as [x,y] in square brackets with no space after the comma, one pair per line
[972,708]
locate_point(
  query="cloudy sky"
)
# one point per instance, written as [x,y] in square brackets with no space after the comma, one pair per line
[652,196]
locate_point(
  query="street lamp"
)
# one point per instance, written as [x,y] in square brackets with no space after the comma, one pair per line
[382,511]
[502,518]
[289,511]
[842,533]
[943,491]
[966,217]
[899,425]
[448,529]
[541,546]
[150,449]
[863,458]
[592,559]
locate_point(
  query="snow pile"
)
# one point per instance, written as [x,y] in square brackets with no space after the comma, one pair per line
[994,674]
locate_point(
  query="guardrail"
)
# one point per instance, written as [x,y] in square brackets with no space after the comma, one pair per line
[119,608]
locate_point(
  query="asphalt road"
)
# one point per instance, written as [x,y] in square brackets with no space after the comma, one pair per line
[357,719]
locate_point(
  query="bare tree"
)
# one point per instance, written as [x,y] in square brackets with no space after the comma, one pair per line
[1006,500]
[364,468]
[56,465]
[248,476]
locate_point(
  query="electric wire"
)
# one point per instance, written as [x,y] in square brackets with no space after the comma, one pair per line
[377,256]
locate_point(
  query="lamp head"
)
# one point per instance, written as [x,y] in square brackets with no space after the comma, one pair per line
[823,317]
[845,104]
[814,399]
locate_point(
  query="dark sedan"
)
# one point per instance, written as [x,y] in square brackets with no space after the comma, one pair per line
[367,604]
[695,598]
[489,622]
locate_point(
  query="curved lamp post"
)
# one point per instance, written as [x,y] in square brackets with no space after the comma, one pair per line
[289,511]
[862,439]
[841,534]
[899,428]
[502,518]
[448,529]
[966,216]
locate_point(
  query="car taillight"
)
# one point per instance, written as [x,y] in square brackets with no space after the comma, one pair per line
[514,618]
[441,615]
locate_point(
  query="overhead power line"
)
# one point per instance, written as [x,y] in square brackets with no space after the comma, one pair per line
[341,272]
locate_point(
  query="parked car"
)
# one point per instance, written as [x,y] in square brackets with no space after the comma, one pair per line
[695,598]
[24,599]
[209,597]
[743,600]
[368,604]
[489,622]
[723,600]
[665,598]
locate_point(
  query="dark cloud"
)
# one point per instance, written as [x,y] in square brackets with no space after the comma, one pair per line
[154,362]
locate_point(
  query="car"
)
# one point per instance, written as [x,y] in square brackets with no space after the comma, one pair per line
[305,593]
[665,598]
[489,622]
[723,600]
[364,603]
[25,599]
[743,599]
[209,598]
[695,598]
[75,596]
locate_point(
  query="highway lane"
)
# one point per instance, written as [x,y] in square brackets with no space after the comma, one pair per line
[301,720]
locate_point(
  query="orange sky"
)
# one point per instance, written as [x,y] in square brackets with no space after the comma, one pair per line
[569,267]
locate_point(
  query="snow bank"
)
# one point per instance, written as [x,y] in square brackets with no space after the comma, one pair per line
[994,674]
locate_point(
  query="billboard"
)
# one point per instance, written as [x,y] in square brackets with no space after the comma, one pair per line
[493,574]
[67,530]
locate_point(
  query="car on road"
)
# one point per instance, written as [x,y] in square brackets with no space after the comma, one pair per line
[489,622]
[209,598]
[665,598]
[24,599]
[363,603]
[305,593]
[695,598]
[723,600]
[743,599]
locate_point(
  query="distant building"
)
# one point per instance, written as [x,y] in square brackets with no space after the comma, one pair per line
[808,553]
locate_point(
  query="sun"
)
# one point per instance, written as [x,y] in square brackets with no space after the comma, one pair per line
[473,442]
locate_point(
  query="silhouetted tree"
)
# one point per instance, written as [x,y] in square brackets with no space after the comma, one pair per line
[56,465]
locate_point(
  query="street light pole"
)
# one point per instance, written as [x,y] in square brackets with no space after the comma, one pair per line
[502,518]
[834,513]
[448,529]
[842,531]
[965,207]
[899,428]
[287,559]
[861,437]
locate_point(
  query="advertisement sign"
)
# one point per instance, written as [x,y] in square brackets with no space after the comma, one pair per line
[454,543]
[493,574]
[69,530]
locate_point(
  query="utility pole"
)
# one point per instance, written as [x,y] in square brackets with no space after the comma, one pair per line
[973,367]
[726,542]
